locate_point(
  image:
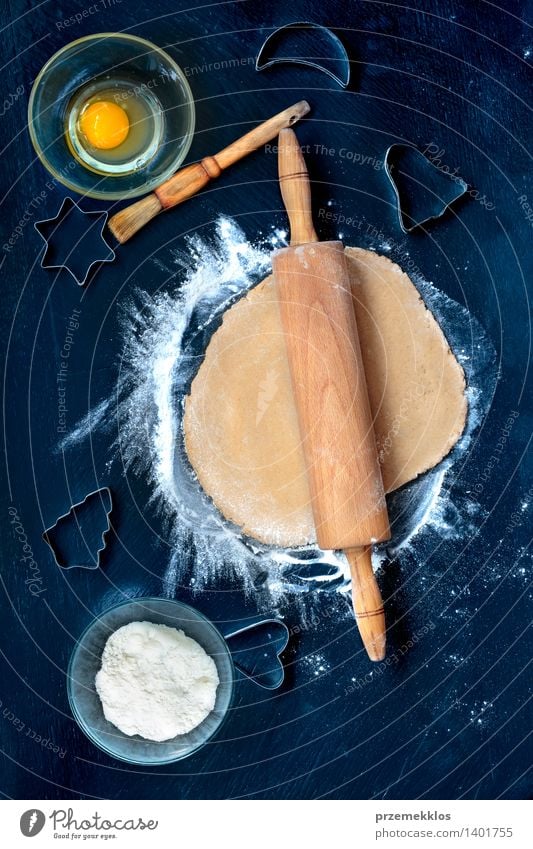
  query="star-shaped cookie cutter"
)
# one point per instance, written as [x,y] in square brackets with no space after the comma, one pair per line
[74,240]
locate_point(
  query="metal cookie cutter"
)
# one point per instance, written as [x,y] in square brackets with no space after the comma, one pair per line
[306,43]
[423,190]
[256,651]
[83,540]
[75,240]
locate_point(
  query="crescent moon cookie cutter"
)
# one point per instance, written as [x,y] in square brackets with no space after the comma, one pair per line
[69,524]
[423,190]
[320,47]
[74,240]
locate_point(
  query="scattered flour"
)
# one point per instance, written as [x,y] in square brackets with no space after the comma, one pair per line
[165,337]
[426,571]
[155,681]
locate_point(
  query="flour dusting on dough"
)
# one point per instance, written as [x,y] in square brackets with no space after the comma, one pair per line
[165,337]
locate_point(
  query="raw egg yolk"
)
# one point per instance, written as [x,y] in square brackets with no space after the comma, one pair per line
[105,125]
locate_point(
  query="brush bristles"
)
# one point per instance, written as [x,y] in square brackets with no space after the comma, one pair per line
[128,221]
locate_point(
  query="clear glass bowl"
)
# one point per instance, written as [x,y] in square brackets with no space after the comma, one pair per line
[86,661]
[92,61]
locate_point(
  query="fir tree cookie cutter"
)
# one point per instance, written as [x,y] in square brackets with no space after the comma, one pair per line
[69,524]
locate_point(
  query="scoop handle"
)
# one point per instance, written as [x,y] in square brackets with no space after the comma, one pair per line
[295,189]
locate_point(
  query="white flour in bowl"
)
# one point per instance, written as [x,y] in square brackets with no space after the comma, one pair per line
[155,681]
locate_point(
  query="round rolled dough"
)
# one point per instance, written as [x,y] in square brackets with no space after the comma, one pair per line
[240,423]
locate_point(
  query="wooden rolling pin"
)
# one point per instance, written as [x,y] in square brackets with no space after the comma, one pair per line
[328,379]
[188,181]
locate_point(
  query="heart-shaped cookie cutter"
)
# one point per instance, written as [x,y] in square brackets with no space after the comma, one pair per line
[256,651]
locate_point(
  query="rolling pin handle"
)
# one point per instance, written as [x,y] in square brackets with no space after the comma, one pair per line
[367,602]
[328,379]
[295,189]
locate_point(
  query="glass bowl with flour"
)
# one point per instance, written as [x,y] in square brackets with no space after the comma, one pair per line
[150,681]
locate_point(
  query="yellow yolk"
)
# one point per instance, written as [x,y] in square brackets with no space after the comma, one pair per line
[105,125]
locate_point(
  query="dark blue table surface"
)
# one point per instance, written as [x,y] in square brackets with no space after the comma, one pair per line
[453,74]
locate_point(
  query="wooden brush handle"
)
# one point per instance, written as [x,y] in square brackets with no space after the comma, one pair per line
[262,134]
[295,188]
[188,181]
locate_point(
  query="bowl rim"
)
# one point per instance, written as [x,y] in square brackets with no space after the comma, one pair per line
[95,193]
[80,720]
